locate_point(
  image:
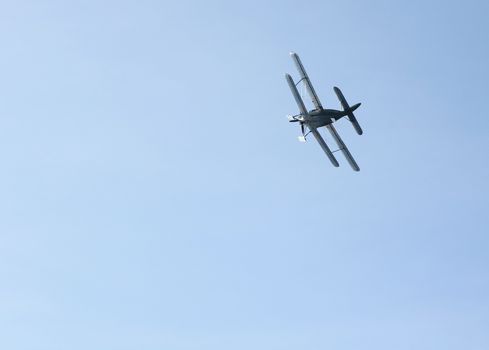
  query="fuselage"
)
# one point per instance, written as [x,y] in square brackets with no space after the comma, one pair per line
[323,117]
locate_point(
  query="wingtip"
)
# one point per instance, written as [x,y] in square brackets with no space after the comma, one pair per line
[292,53]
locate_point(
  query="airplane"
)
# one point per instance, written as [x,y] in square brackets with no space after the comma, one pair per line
[319,117]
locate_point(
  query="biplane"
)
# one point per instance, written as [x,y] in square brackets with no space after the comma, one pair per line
[311,121]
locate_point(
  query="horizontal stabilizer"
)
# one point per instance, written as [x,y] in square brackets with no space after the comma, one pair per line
[350,110]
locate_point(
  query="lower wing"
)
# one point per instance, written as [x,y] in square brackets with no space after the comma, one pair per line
[324,146]
[342,147]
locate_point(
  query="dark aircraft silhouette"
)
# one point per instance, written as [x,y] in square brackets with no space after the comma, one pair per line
[320,117]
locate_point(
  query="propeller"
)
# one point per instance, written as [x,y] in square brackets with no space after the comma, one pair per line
[299,119]
[303,137]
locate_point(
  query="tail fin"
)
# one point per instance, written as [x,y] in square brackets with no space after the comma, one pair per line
[349,109]
[352,108]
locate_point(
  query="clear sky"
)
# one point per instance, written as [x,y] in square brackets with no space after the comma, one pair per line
[153,195]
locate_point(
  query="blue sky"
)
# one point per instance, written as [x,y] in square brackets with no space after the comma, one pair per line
[153,195]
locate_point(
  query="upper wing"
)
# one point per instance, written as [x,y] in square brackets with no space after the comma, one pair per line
[325,147]
[307,81]
[342,147]
[297,97]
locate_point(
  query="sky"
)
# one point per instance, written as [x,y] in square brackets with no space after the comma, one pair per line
[154,196]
